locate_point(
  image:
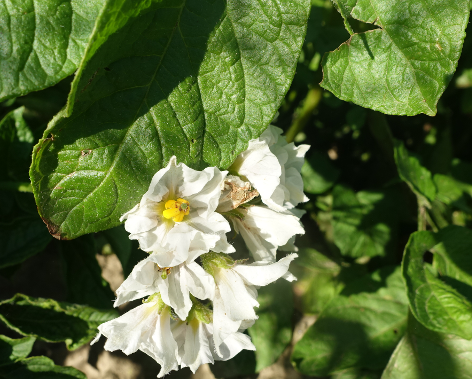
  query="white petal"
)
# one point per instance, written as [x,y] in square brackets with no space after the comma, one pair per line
[128,331]
[140,219]
[131,211]
[175,293]
[162,347]
[264,230]
[166,180]
[233,345]
[140,283]
[271,135]
[200,283]
[197,346]
[277,228]
[260,166]
[260,249]
[263,274]
[223,326]
[238,302]
[209,185]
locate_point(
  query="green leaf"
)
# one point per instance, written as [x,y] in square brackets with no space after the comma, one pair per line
[39,368]
[316,275]
[451,192]
[21,239]
[356,331]
[359,224]
[16,144]
[12,350]
[53,321]
[42,42]
[191,78]
[318,173]
[272,331]
[404,66]
[441,303]
[83,274]
[356,374]
[424,354]
[411,171]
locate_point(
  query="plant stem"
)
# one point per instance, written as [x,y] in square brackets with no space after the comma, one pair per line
[312,100]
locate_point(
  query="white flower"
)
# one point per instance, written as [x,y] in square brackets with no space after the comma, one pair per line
[236,291]
[265,230]
[196,345]
[147,328]
[175,284]
[177,214]
[171,342]
[273,167]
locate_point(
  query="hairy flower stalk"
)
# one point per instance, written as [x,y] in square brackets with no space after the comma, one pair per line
[196,313]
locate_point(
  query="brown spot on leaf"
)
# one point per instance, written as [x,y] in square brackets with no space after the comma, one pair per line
[54,230]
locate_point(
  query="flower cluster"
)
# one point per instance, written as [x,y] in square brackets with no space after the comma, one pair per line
[199,300]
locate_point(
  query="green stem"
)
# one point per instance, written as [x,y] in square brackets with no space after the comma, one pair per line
[312,100]
[421,217]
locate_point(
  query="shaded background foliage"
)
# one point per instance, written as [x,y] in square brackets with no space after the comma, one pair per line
[384,190]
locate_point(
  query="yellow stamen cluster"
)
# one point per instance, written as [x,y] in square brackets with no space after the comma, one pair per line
[176,209]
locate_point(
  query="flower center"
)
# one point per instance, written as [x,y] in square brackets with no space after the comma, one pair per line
[176,209]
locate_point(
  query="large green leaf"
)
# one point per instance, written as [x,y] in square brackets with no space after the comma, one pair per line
[272,331]
[21,239]
[404,66]
[424,354]
[359,330]
[359,224]
[52,321]
[12,350]
[192,78]
[443,302]
[42,42]
[39,368]
[83,274]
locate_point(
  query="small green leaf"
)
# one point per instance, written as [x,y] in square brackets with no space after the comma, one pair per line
[83,274]
[318,173]
[356,331]
[424,354]
[272,331]
[404,66]
[193,78]
[53,321]
[359,224]
[39,368]
[441,303]
[418,178]
[42,42]
[12,350]
[21,239]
